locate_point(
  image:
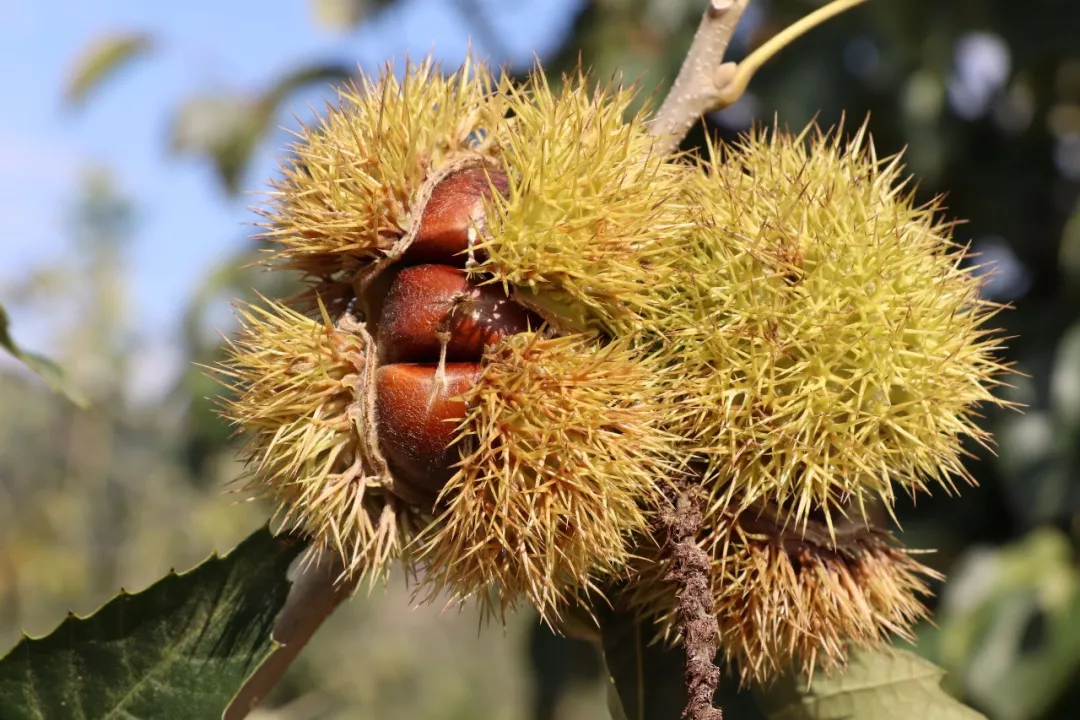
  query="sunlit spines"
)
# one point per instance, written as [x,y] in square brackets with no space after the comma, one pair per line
[564,460]
[348,193]
[782,318]
[588,206]
[784,600]
[837,348]
[788,597]
[298,395]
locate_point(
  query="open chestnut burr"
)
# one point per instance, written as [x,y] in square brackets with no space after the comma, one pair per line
[732,357]
[434,324]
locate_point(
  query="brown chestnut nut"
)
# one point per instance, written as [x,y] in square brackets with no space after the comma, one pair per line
[429,301]
[456,204]
[417,427]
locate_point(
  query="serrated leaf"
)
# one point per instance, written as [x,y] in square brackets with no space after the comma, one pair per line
[177,650]
[102,59]
[318,590]
[889,685]
[53,375]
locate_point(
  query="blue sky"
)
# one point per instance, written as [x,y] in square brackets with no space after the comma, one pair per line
[185,223]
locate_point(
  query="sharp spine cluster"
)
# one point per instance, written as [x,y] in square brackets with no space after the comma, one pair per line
[783,595]
[564,463]
[300,393]
[835,349]
[779,319]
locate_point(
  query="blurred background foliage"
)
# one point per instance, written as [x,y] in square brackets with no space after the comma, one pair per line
[983,94]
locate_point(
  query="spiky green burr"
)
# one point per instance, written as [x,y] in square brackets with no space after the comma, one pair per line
[830,349]
[301,396]
[830,335]
[581,233]
[565,461]
[350,191]
[780,322]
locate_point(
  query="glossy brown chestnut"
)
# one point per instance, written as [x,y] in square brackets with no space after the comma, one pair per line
[427,301]
[416,430]
[455,205]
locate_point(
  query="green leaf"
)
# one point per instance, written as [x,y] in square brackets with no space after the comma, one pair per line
[224,128]
[319,74]
[890,685]
[343,15]
[1010,625]
[178,650]
[338,15]
[1065,379]
[50,372]
[102,59]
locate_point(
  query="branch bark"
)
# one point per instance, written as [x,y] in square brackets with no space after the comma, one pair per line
[705,83]
[701,77]
[691,570]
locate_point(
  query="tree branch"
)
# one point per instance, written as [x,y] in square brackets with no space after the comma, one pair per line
[736,84]
[317,591]
[701,76]
[691,571]
[705,84]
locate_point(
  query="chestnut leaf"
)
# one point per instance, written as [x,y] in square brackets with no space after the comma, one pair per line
[179,649]
[106,56]
[887,685]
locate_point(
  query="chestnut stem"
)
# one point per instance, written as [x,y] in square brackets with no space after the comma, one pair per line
[695,90]
[705,85]
[318,589]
